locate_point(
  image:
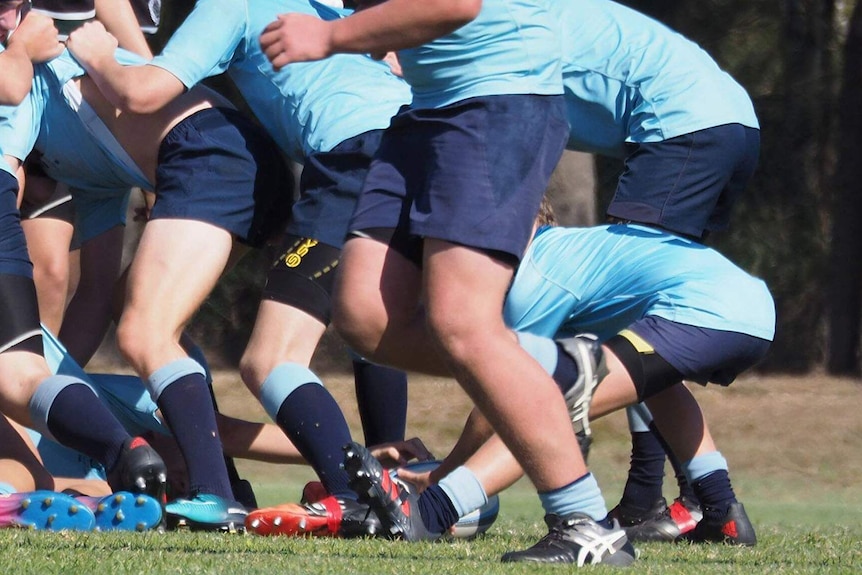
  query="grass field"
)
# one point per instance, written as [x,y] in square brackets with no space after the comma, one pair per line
[793,445]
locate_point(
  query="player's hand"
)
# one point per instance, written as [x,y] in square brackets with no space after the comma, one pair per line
[296,38]
[91,43]
[391,58]
[38,36]
[400,453]
[421,480]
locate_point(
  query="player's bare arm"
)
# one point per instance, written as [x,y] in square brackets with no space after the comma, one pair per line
[35,40]
[119,18]
[135,89]
[376,30]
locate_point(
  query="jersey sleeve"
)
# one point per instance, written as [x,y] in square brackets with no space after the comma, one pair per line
[19,127]
[205,43]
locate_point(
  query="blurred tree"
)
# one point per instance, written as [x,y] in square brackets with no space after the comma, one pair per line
[572,190]
[778,231]
[845,264]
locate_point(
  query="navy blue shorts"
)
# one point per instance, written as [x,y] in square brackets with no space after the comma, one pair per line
[216,166]
[19,328]
[14,258]
[472,173]
[701,354]
[688,184]
[329,188]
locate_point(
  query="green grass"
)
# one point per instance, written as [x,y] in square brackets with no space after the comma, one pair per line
[802,536]
[793,445]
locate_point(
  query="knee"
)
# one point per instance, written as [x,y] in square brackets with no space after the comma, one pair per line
[253,370]
[52,275]
[18,382]
[462,335]
[359,325]
[132,338]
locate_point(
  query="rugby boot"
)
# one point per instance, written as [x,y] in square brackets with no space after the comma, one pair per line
[328,517]
[124,511]
[732,527]
[206,512]
[396,508]
[578,540]
[587,353]
[45,510]
[140,469]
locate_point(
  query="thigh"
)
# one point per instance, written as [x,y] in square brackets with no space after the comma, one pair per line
[302,276]
[13,246]
[377,292]
[177,264]
[18,305]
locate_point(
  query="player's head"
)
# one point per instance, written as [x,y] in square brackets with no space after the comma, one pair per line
[546,216]
[11,12]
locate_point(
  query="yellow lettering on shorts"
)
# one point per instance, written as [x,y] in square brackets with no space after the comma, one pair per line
[294,257]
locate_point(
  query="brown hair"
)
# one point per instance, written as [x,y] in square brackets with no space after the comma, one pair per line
[546,216]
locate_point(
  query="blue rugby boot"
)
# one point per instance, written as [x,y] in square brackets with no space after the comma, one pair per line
[206,512]
[45,510]
[124,511]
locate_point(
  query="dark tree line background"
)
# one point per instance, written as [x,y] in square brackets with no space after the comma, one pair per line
[798,227]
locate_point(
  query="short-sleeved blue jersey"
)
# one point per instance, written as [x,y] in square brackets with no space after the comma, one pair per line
[77,148]
[629,78]
[602,279]
[306,107]
[8,133]
[54,120]
[511,47]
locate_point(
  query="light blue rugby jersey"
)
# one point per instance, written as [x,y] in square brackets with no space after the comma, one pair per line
[77,149]
[307,107]
[7,132]
[511,47]
[14,135]
[629,78]
[70,152]
[602,279]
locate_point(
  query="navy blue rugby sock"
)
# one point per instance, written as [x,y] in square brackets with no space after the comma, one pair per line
[646,472]
[437,510]
[314,423]
[685,489]
[187,408]
[79,420]
[715,493]
[381,393]
[566,372]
